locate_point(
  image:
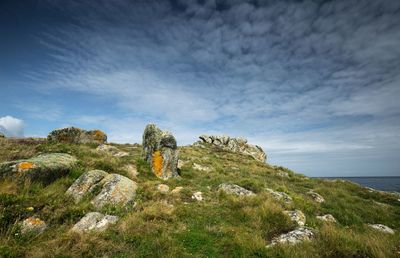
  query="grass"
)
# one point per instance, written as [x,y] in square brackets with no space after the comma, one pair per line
[166,225]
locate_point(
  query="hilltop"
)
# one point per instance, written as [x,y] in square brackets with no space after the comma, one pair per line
[223,202]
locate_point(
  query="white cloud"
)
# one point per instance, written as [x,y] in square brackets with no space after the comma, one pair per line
[11,126]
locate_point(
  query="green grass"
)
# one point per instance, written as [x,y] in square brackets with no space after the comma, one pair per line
[166,225]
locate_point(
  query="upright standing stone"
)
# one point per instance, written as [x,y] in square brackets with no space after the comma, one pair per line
[160,150]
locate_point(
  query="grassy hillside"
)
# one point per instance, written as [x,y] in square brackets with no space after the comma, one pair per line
[175,225]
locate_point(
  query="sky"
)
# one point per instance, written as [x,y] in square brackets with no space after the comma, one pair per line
[315,83]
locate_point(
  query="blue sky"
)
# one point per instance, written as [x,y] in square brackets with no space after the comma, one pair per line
[315,83]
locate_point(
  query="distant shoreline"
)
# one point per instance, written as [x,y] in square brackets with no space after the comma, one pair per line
[383,183]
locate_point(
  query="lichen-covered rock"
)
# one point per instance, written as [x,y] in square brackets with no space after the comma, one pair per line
[382,228]
[238,145]
[77,135]
[111,150]
[44,168]
[293,237]
[235,189]
[85,184]
[94,221]
[163,188]
[316,197]
[116,190]
[160,150]
[297,216]
[198,196]
[280,195]
[33,225]
[327,218]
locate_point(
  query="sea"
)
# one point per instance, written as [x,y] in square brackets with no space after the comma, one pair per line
[391,184]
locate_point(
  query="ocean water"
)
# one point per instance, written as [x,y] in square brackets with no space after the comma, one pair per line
[379,183]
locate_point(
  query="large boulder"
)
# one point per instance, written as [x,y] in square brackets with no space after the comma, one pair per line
[44,168]
[94,221]
[160,151]
[77,135]
[114,189]
[238,145]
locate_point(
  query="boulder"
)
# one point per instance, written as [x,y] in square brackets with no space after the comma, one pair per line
[114,189]
[198,196]
[293,237]
[238,145]
[94,221]
[327,218]
[316,197]
[111,150]
[296,216]
[162,188]
[382,228]
[160,151]
[235,189]
[44,168]
[77,135]
[33,225]
[280,195]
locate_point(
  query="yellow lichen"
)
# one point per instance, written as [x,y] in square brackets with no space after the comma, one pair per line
[25,166]
[34,221]
[98,134]
[157,163]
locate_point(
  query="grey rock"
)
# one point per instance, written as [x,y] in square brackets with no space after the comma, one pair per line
[235,189]
[94,221]
[163,188]
[280,195]
[77,135]
[382,228]
[296,216]
[238,145]
[316,197]
[111,150]
[327,218]
[160,151]
[85,184]
[44,168]
[33,225]
[293,237]
[198,196]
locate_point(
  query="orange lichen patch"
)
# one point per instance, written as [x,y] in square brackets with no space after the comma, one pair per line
[25,166]
[98,134]
[157,163]
[34,221]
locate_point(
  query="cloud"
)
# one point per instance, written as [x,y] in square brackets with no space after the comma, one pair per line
[12,127]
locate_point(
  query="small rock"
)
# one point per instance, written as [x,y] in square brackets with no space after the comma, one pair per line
[131,170]
[77,135]
[44,168]
[160,151]
[280,195]
[316,197]
[297,216]
[198,196]
[283,174]
[200,167]
[85,184]
[33,225]
[177,190]
[94,221]
[327,218]
[382,228]
[234,189]
[162,188]
[111,150]
[293,237]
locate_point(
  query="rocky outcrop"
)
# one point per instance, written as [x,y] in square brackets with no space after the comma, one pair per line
[316,197]
[296,216]
[327,218]
[382,228]
[280,195]
[238,145]
[33,225]
[160,151]
[235,189]
[111,150]
[94,221]
[293,237]
[114,189]
[44,168]
[77,135]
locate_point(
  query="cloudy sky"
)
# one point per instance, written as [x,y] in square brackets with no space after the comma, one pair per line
[315,83]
